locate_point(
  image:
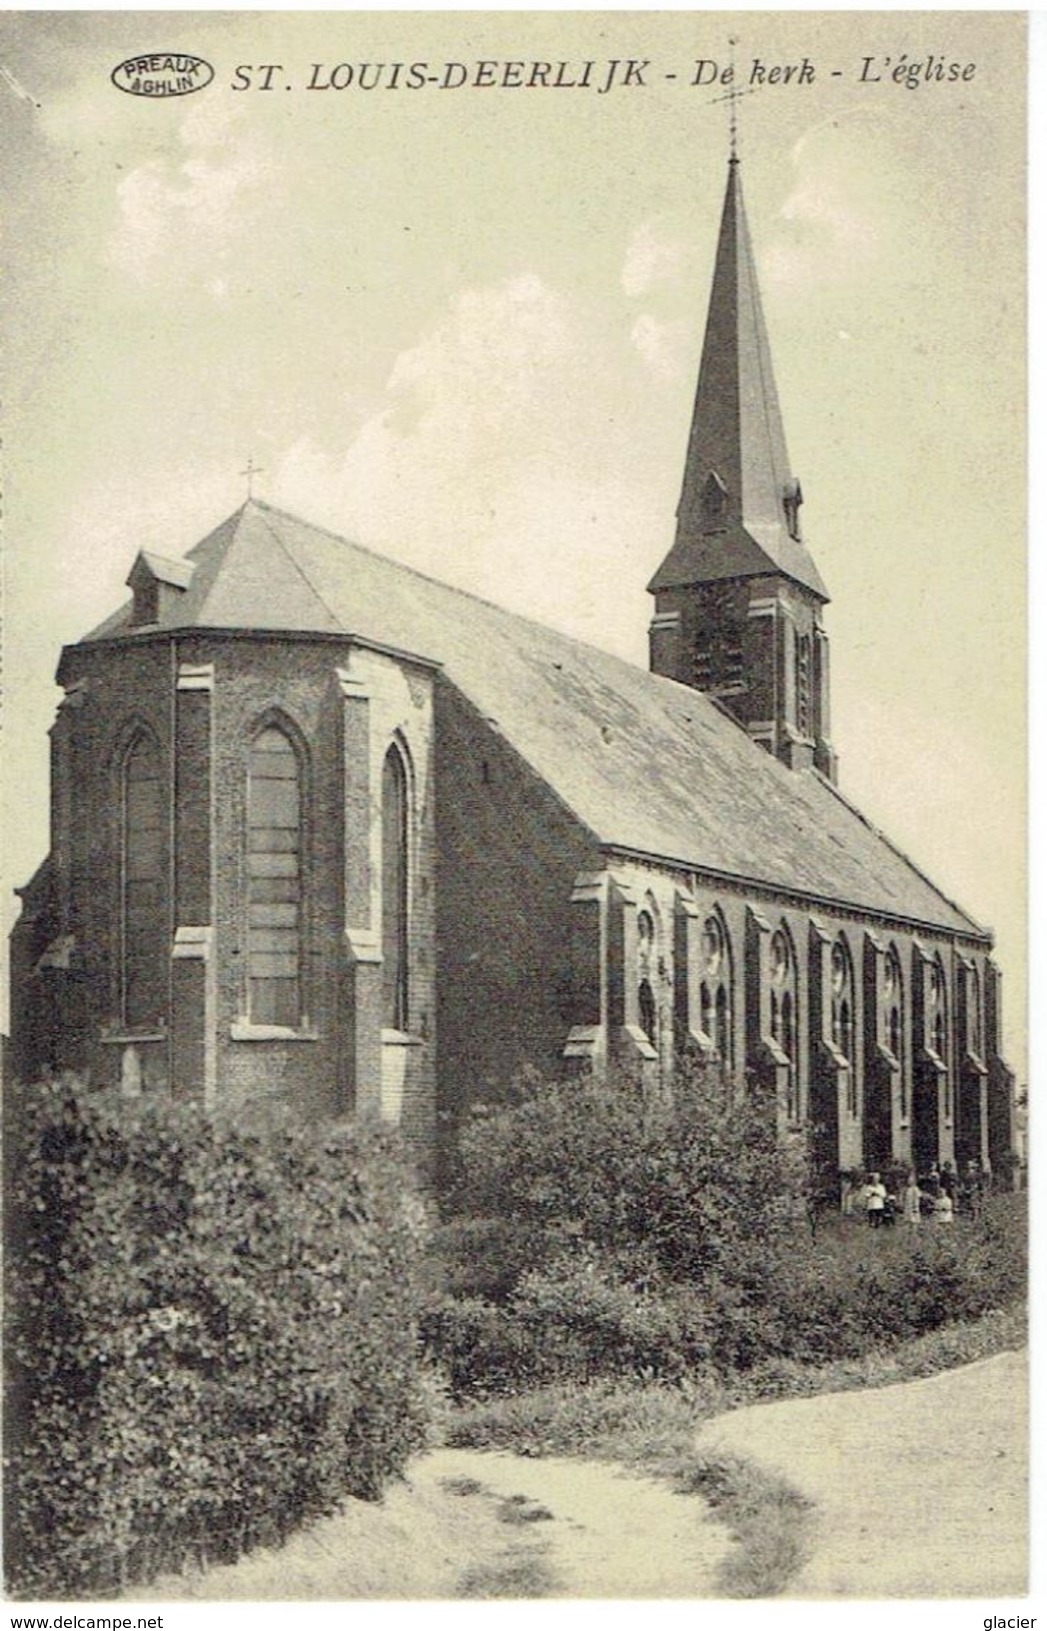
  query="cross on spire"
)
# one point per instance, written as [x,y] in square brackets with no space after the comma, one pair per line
[732,98]
[251,471]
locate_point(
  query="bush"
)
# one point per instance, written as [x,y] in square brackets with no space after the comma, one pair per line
[693,1186]
[845,1295]
[211,1334]
[599,1234]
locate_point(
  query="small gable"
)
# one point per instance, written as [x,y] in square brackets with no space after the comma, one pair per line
[792,498]
[157,584]
[714,503]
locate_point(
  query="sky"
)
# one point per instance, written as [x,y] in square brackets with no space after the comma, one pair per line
[462,325]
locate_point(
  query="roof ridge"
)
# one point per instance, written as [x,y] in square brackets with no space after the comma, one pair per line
[310,585]
[886,839]
[692,694]
[448,588]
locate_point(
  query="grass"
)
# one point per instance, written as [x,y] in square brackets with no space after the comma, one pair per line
[641,1422]
[519,1572]
[769,1520]
[650,1427]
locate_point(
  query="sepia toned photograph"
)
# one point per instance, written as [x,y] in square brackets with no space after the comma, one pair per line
[515,1056]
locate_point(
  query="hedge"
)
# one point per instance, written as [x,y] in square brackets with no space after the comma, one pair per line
[597,1234]
[211,1334]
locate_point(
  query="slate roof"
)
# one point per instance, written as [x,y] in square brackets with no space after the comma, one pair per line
[736,434]
[646,764]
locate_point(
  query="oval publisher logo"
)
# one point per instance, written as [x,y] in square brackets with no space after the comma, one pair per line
[162,73]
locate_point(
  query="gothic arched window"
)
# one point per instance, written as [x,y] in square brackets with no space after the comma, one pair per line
[783,1014]
[719,641]
[716,987]
[803,684]
[937,1025]
[143,904]
[394,891]
[274,881]
[974,1012]
[649,968]
[893,1023]
[648,1013]
[842,987]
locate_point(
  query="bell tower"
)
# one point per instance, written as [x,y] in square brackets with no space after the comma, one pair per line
[738,599]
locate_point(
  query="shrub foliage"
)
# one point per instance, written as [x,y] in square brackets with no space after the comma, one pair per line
[597,1234]
[211,1335]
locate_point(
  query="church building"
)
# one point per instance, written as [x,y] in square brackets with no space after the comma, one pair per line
[328,830]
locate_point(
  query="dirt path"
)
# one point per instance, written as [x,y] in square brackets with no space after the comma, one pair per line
[606,1533]
[920,1488]
[474,1524]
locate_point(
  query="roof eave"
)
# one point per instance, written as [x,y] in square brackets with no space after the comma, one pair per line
[743,882]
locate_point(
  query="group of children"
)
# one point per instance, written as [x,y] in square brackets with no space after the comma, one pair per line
[934,1195]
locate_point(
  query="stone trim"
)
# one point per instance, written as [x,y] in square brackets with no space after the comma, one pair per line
[193,942]
[243,1031]
[365,945]
[195,677]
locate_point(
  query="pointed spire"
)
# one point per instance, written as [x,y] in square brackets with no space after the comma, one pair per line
[739,509]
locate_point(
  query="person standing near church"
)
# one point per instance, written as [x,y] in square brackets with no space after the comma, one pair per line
[875,1196]
[943,1207]
[911,1197]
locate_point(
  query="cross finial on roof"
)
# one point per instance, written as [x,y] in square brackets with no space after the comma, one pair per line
[733,103]
[251,471]
[732,97]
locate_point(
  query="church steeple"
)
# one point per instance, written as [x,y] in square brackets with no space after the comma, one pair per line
[738,597]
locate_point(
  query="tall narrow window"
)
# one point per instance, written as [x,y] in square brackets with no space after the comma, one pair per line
[783,1015]
[892,1002]
[144,927]
[274,881]
[394,891]
[842,981]
[716,988]
[974,1011]
[649,970]
[648,1013]
[803,684]
[937,1026]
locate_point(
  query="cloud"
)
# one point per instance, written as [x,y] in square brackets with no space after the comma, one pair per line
[655,256]
[661,344]
[175,213]
[499,446]
[847,214]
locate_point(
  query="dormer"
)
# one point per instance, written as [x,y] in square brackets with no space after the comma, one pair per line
[792,498]
[157,585]
[714,503]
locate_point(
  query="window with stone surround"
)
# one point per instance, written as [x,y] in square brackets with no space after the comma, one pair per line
[803,684]
[649,971]
[783,1014]
[144,928]
[395,812]
[719,642]
[974,1013]
[892,998]
[936,1025]
[274,880]
[841,980]
[715,988]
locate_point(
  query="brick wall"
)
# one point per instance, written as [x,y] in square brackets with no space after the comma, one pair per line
[517,921]
[508,854]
